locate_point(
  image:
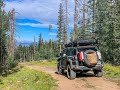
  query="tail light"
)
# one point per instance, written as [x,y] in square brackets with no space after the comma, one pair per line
[99,55]
[80,56]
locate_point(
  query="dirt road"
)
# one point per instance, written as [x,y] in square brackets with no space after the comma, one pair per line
[80,83]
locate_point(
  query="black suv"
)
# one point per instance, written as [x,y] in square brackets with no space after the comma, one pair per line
[80,56]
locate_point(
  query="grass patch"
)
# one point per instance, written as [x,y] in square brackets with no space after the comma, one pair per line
[112,72]
[43,63]
[27,79]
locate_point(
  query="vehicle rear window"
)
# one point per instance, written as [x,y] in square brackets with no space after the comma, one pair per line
[69,52]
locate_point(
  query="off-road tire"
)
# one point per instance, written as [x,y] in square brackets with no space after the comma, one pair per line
[59,69]
[98,73]
[71,74]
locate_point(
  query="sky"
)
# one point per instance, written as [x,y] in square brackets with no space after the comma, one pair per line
[34,17]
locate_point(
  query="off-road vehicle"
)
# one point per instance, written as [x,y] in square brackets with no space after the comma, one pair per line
[80,56]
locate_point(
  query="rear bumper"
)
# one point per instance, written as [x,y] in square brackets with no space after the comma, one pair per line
[85,68]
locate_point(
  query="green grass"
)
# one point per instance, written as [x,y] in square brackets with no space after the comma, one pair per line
[112,73]
[27,79]
[45,64]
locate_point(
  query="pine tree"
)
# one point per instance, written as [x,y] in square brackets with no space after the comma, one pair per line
[117,31]
[3,30]
[40,42]
[107,27]
[34,47]
[88,32]
[61,27]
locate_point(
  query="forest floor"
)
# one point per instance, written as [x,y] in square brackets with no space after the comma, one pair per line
[85,82]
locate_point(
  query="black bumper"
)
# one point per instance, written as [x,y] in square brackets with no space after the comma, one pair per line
[85,68]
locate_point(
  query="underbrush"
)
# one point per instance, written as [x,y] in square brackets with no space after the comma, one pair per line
[10,67]
[27,79]
[5,73]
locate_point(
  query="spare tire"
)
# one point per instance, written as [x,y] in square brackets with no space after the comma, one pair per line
[90,58]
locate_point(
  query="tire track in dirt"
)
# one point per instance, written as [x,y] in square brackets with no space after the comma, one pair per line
[80,83]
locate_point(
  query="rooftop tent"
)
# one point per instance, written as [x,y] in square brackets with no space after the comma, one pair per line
[81,42]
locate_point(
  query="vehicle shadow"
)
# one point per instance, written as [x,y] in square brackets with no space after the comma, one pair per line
[78,75]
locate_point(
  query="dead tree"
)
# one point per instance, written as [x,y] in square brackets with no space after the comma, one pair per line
[66,24]
[11,30]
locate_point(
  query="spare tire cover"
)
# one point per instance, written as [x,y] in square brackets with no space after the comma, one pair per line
[90,58]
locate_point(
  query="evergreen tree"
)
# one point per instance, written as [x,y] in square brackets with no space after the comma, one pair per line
[107,27]
[117,32]
[3,29]
[61,27]
[40,42]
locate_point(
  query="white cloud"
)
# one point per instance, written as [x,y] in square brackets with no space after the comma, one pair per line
[45,11]
[38,25]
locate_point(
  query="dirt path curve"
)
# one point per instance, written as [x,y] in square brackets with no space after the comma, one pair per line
[80,83]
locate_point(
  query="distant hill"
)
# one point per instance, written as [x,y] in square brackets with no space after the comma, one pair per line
[24,43]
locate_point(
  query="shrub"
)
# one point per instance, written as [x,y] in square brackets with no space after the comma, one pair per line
[11,63]
[16,69]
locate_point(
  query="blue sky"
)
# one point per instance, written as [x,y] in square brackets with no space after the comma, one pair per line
[34,16]
[27,29]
